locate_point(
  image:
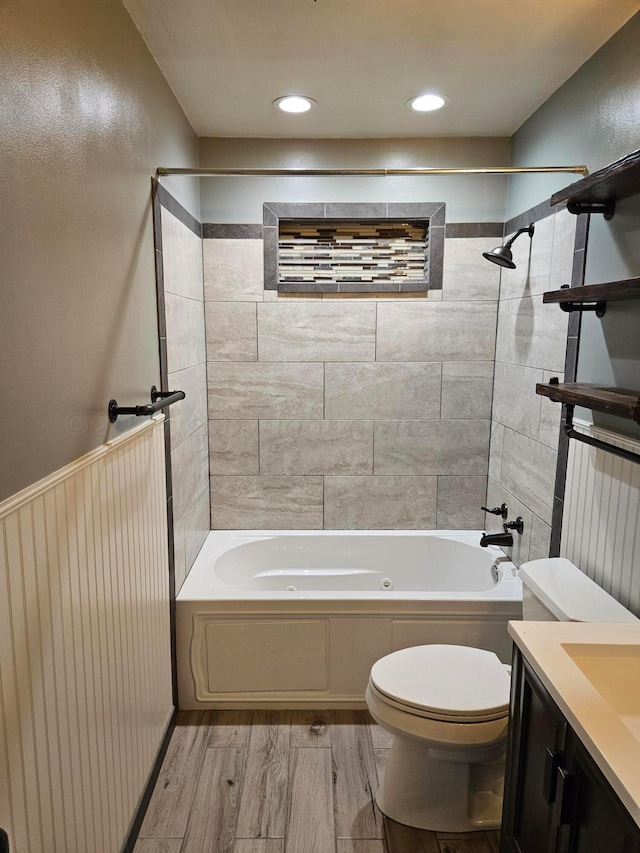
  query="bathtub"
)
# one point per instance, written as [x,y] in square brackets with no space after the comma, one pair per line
[295,619]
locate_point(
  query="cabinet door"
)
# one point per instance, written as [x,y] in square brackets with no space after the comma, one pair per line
[535,750]
[556,798]
[590,817]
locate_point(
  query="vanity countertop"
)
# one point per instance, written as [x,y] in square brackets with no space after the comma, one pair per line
[592,671]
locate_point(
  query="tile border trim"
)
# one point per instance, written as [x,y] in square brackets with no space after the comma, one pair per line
[473,229]
[175,208]
[230,231]
[534,214]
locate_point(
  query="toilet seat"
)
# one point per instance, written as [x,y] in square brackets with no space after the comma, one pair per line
[457,684]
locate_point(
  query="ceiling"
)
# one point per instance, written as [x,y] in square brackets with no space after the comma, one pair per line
[361,60]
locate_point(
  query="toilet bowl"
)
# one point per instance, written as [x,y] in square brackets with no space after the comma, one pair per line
[447,707]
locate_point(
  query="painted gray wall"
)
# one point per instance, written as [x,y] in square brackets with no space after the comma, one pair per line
[87,117]
[468,198]
[594,118]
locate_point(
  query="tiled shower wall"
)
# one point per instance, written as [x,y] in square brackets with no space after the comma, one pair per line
[530,347]
[184,358]
[334,412]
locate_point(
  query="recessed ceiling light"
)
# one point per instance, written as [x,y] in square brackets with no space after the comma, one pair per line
[294,104]
[427,103]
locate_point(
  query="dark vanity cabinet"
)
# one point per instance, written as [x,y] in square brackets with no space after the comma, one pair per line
[556,799]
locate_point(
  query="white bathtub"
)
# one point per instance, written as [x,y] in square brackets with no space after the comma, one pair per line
[295,619]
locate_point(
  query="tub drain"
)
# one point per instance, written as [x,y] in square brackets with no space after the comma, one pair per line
[291,588]
[386,583]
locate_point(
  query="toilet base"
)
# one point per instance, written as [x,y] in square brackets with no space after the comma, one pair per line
[442,796]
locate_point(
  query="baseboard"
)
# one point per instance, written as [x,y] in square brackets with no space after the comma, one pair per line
[136,822]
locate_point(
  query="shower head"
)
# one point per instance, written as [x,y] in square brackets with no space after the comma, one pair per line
[501,255]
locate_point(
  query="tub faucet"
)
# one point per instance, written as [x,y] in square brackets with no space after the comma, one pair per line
[505,539]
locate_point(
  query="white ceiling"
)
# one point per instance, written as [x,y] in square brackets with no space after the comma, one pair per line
[361,60]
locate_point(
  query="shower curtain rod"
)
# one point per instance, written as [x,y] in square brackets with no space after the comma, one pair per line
[490,170]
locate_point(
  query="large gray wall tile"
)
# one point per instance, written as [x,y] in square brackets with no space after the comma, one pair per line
[233,270]
[550,415]
[431,447]
[528,471]
[445,331]
[380,503]
[188,414]
[459,502]
[273,391]
[233,447]
[185,332]
[189,468]
[532,258]
[317,331]
[496,496]
[564,238]
[190,531]
[495,451]
[467,275]
[541,252]
[380,390]
[506,309]
[540,539]
[316,447]
[268,503]
[181,258]
[232,331]
[466,389]
[515,402]
[532,333]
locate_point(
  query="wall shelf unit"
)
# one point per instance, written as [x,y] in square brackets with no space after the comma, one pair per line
[613,401]
[594,297]
[599,192]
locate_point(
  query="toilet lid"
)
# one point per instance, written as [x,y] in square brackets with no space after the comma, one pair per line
[448,681]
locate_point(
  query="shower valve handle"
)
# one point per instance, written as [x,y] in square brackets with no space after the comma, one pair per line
[517,525]
[497,510]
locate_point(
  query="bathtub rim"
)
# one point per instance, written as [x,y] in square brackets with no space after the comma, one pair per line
[197,588]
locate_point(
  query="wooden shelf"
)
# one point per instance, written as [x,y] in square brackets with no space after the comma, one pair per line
[617,181]
[613,401]
[610,291]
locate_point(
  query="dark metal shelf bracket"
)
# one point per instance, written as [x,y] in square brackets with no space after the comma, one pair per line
[607,208]
[595,442]
[600,308]
[159,400]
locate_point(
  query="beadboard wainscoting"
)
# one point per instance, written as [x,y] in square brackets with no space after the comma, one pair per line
[85,660]
[601,523]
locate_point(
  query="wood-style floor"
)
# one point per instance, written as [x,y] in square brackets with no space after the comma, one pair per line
[281,782]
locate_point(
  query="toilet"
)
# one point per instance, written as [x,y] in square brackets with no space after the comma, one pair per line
[448,707]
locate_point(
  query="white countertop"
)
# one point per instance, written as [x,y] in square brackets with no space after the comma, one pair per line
[614,745]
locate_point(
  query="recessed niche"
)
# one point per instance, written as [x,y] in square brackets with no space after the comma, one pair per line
[353,248]
[352,251]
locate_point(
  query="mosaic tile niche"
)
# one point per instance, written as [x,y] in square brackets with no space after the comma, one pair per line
[367,247]
[352,251]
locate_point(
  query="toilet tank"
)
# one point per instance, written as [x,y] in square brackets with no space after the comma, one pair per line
[555,590]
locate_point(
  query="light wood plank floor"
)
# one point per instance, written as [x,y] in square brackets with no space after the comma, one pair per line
[281,782]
